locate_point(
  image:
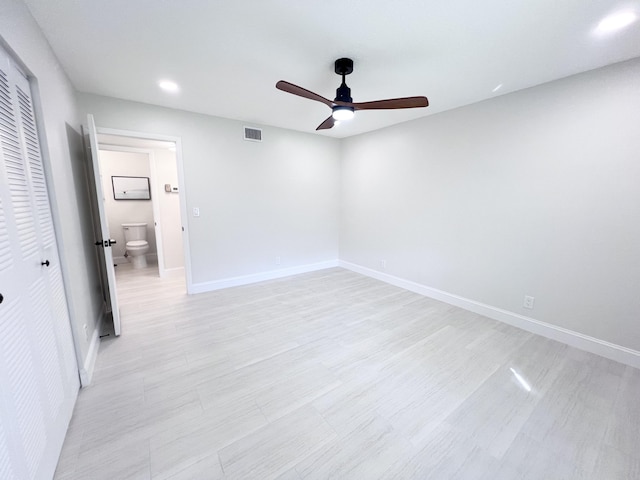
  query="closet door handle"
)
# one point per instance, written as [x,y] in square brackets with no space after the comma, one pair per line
[1,298]
[45,263]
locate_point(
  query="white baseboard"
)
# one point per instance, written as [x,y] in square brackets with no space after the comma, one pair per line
[86,371]
[260,277]
[603,348]
[151,257]
[173,272]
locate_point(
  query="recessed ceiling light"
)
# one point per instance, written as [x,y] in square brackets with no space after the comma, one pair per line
[168,86]
[615,22]
[497,88]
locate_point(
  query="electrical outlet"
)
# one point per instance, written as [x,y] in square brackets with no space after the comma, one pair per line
[277,260]
[196,212]
[383,264]
[528,302]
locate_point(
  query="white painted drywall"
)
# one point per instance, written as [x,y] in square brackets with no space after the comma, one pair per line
[257,201]
[169,203]
[532,193]
[65,165]
[126,164]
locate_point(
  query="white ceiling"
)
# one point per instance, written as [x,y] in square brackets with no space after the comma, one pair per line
[227,55]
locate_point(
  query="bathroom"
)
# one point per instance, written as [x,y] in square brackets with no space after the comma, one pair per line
[140,187]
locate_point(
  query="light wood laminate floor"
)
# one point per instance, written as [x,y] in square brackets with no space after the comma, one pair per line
[335,375]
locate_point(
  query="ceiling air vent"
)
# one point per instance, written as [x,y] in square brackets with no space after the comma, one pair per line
[253,134]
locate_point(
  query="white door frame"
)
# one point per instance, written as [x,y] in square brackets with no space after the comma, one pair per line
[181,185]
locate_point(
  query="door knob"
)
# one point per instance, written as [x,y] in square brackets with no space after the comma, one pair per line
[46,263]
[1,298]
[106,243]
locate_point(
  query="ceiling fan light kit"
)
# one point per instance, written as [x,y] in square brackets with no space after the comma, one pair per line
[342,113]
[343,107]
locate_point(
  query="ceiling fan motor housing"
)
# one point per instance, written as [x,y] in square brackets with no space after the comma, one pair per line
[343,94]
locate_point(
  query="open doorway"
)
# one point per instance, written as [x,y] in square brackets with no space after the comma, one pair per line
[142,200]
[152,215]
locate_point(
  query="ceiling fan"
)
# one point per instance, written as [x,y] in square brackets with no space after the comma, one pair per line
[343,107]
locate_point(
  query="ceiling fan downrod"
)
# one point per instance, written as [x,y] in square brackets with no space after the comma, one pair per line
[343,66]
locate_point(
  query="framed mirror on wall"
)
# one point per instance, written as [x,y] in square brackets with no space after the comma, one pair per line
[131,188]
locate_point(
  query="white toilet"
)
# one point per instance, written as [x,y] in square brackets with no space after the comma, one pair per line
[135,237]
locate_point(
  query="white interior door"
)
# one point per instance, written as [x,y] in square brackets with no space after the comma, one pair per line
[38,371]
[106,239]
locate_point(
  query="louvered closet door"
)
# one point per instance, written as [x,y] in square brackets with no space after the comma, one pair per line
[38,371]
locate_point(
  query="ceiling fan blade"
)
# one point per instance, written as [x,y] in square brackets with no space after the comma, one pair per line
[407,102]
[327,124]
[302,92]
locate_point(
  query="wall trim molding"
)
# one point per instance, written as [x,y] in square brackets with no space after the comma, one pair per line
[174,272]
[86,371]
[575,339]
[260,277]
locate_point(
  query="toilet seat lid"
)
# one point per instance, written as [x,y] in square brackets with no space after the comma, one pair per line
[137,243]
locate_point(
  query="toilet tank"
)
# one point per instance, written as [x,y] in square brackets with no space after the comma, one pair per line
[134,231]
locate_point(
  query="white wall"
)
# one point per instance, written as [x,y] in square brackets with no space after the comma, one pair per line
[126,164]
[169,204]
[532,193]
[64,162]
[257,201]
